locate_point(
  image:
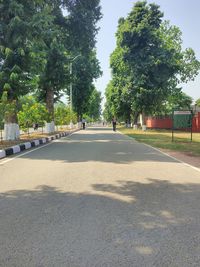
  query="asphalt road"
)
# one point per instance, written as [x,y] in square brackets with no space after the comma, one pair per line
[98,199]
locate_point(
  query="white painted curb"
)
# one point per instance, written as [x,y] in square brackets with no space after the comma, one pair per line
[19,148]
[16,149]
[37,142]
[27,145]
[2,154]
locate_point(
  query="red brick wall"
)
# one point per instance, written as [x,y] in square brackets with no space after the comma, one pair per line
[166,123]
[196,123]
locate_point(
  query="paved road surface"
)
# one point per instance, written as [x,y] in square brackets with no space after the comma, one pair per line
[98,199]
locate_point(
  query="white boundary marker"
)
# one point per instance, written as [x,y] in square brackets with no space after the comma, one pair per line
[22,154]
[4,161]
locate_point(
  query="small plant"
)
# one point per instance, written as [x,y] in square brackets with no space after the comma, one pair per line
[63,115]
[32,114]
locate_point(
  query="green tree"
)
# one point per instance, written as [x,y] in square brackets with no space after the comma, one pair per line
[94,105]
[15,48]
[150,52]
[177,100]
[82,25]
[7,108]
[198,102]
[53,56]
[63,115]
[72,33]
[180,100]
[112,104]
[32,112]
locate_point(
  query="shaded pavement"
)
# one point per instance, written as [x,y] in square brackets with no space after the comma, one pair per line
[95,199]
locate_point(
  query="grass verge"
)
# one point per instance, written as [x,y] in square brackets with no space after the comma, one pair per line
[163,139]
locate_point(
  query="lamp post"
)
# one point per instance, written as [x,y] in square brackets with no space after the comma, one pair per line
[70,88]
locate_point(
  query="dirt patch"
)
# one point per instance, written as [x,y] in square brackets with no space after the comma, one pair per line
[184,156]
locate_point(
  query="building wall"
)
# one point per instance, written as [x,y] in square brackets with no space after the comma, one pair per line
[166,123]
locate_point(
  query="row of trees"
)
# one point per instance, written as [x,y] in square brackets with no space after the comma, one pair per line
[38,40]
[31,112]
[148,65]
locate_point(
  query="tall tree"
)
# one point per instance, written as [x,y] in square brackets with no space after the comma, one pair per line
[15,50]
[82,23]
[94,107]
[15,46]
[152,53]
[71,33]
[53,73]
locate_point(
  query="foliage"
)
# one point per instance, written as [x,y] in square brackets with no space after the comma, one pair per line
[63,115]
[85,70]
[82,25]
[32,113]
[15,46]
[107,115]
[87,118]
[49,54]
[7,109]
[117,101]
[37,40]
[177,100]
[148,62]
[27,99]
[198,102]
[180,100]
[94,105]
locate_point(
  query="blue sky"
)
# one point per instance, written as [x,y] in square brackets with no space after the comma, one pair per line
[184,14]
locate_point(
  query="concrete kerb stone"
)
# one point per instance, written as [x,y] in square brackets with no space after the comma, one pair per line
[27,145]
[16,149]
[44,140]
[2,154]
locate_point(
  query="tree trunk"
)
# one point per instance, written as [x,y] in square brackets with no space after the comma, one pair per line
[50,126]
[50,103]
[10,117]
[11,127]
[143,121]
[143,118]
[135,118]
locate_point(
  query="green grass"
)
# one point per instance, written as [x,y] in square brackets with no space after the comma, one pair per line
[163,139]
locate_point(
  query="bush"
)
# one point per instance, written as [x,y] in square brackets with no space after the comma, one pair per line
[32,113]
[63,115]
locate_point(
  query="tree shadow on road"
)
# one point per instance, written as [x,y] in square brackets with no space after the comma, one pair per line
[99,147]
[126,224]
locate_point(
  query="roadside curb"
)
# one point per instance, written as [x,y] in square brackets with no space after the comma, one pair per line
[33,143]
[162,152]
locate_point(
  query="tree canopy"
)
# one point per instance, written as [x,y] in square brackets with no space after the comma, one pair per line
[37,40]
[148,62]
[94,105]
